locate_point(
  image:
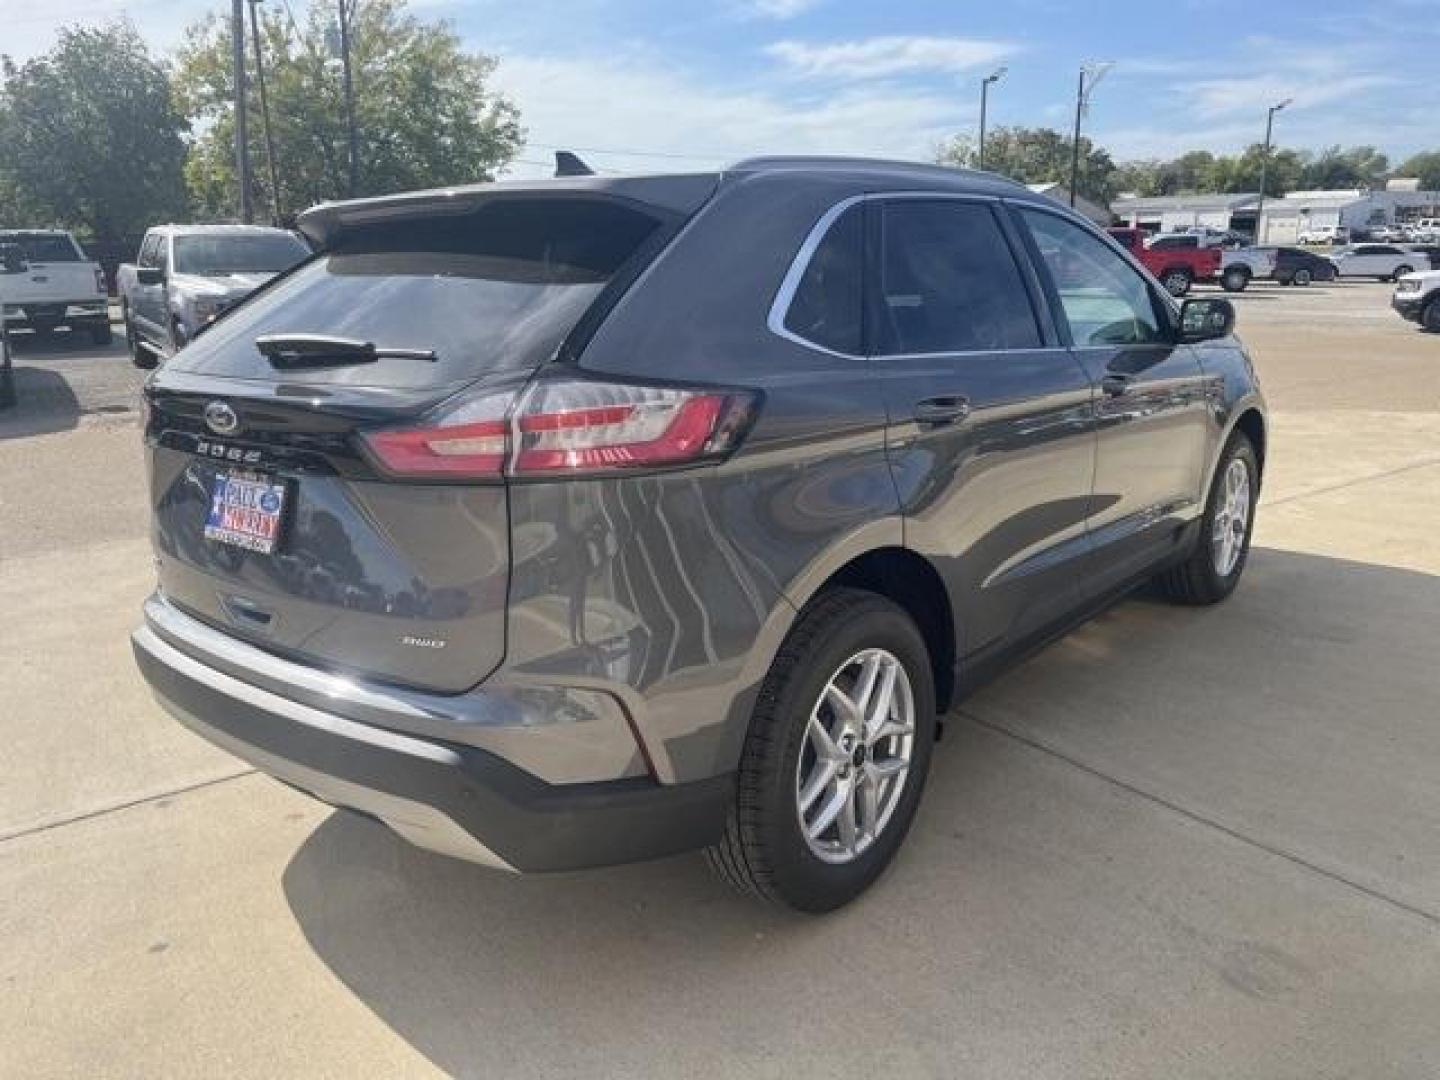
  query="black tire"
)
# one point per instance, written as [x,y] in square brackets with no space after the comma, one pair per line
[1301,277]
[1235,279]
[1430,315]
[1401,271]
[1176,282]
[100,333]
[763,851]
[140,356]
[1197,580]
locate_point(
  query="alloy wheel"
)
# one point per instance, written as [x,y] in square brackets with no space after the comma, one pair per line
[1232,518]
[856,755]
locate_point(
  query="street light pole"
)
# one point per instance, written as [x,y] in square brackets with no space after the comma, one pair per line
[996,76]
[1090,76]
[242,137]
[265,114]
[349,96]
[1265,165]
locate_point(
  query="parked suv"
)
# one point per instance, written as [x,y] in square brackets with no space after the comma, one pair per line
[566,523]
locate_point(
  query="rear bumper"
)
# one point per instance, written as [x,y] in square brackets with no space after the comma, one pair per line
[444,796]
[67,313]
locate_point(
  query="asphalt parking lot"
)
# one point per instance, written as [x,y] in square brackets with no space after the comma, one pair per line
[1175,844]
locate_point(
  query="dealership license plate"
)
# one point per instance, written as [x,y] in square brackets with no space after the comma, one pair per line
[246,510]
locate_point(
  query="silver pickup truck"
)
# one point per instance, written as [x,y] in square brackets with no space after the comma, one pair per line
[54,284]
[187,276]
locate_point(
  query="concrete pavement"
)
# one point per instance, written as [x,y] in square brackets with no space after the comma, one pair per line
[1176,843]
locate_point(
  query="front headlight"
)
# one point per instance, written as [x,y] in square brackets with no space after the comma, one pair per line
[1408,285]
[205,309]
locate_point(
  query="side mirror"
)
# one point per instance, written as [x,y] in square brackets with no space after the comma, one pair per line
[149,275]
[1205,319]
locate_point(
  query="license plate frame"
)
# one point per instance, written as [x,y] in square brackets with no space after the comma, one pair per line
[247,510]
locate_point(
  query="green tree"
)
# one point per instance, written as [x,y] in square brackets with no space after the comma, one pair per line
[91,136]
[1036,156]
[425,115]
[1334,168]
[1425,166]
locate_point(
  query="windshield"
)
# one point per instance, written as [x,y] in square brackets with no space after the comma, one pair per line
[43,247]
[238,254]
[497,288]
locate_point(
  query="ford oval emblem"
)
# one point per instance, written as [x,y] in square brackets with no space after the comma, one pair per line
[221,419]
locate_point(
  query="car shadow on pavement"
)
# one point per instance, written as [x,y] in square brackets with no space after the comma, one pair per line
[44,403]
[1323,662]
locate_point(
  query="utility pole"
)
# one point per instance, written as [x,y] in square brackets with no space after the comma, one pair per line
[242,137]
[265,114]
[996,76]
[1090,76]
[1265,164]
[349,95]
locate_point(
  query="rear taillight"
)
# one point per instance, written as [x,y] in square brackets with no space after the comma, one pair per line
[100,281]
[568,426]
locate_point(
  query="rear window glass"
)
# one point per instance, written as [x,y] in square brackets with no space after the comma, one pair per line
[42,247]
[828,304]
[238,254]
[494,289]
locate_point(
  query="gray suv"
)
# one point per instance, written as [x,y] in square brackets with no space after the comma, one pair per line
[574,522]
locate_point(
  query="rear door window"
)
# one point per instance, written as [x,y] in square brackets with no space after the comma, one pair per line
[496,288]
[948,282]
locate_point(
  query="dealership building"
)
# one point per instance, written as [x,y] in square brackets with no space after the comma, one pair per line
[1284,218]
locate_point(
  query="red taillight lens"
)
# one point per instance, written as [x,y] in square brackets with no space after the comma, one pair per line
[564,426]
[476,450]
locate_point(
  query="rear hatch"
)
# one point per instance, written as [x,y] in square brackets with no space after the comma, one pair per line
[400,580]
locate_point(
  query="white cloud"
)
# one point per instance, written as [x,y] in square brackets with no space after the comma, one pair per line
[616,105]
[777,9]
[881,56]
[1221,97]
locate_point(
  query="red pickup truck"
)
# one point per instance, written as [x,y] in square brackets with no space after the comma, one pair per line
[1176,261]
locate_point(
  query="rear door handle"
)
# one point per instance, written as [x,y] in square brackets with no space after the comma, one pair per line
[1115,385]
[942,410]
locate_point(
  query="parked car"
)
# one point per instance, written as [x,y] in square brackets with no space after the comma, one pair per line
[58,287]
[1386,262]
[1295,266]
[1239,266]
[187,276]
[1385,234]
[1417,298]
[564,523]
[1427,231]
[1324,234]
[1176,259]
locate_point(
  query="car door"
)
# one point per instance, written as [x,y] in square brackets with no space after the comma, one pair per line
[1367,260]
[990,434]
[1151,407]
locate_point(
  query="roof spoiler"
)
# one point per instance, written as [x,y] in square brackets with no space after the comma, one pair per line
[569,164]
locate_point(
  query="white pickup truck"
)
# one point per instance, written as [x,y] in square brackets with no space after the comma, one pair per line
[58,286]
[187,276]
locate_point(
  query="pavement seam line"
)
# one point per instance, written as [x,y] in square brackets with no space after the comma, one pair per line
[115,808]
[1201,819]
[1342,485]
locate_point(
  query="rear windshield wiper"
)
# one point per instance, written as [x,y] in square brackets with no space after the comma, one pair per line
[289,351]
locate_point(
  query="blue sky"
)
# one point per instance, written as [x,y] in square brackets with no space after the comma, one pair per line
[662,84]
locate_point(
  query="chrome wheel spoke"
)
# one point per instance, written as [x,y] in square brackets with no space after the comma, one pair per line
[853,763]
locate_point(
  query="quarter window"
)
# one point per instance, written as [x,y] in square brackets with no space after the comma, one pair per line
[948,282]
[1105,301]
[827,305]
